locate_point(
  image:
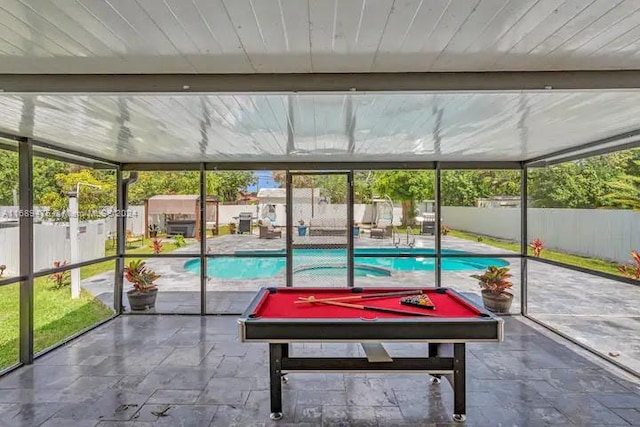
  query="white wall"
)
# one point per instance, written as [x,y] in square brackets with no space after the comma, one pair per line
[361,213]
[601,233]
[227,212]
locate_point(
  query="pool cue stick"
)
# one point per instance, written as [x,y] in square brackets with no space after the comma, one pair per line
[372,308]
[361,296]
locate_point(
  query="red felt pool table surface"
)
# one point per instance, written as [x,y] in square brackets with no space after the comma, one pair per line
[281,304]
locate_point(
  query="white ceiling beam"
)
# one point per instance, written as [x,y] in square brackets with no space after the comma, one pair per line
[332,166]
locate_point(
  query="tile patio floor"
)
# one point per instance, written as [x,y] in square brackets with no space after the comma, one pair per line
[601,313]
[193,370]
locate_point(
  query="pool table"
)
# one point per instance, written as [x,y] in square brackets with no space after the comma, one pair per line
[274,317]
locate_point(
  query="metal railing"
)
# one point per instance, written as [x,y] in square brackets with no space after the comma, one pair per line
[395,234]
[411,239]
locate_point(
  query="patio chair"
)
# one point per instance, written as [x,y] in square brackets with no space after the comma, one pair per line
[381,230]
[267,230]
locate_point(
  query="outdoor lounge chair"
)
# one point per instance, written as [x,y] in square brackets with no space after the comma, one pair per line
[328,227]
[267,230]
[381,230]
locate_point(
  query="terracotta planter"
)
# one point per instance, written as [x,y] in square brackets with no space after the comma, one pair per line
[498,303]
[142,300]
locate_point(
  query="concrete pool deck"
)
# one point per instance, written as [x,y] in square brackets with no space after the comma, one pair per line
[601,313]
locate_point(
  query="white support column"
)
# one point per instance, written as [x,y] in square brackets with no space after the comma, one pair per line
[74,244]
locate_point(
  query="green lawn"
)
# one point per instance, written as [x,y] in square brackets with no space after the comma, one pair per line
[576,260]
[56,315]
[101,267]
[223,230]
[9,322]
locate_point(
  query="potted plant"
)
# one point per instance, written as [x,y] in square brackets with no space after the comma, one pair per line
[302,229]
[153,230]
[232,228]
[495,283]
[144,292]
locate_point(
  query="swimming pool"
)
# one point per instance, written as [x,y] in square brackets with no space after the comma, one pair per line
[327,262]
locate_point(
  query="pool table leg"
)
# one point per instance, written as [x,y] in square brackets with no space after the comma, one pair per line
[457,379]
[459,384]
[275,378]
[433,352]
[285,356]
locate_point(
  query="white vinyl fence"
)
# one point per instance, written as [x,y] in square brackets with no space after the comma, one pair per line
[135,221]
[502,223]
[10,250]
[601,233]
[51,243]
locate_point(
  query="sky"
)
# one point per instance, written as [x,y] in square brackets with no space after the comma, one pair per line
[265,180]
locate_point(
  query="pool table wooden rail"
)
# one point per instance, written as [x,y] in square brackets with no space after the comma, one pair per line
[484,328]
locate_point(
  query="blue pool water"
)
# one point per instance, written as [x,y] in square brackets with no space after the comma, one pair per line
[315,262]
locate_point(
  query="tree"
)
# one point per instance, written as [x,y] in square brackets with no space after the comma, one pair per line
[362,189]
[298,181]
[406,186]
[44,177]
[625,192]
[91,200]
[581,184]
[8,177]
[459,188]
[226,185]
[153,183]
[465,187]
[335,185]
[45,172]
[499,183]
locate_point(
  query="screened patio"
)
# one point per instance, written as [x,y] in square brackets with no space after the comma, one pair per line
[125,89]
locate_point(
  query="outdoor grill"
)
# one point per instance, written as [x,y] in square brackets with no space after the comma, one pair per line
[244,222]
